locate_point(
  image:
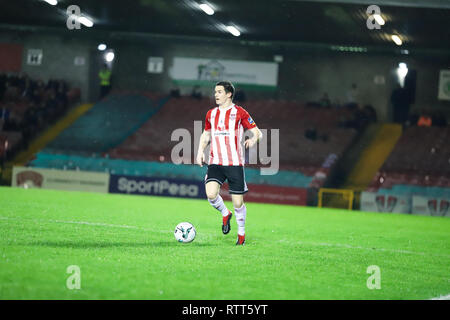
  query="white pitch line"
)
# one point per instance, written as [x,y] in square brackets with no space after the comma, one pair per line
[442,297]
[96,224]
[447,297]
[321,244]
[100,224]
[340,245]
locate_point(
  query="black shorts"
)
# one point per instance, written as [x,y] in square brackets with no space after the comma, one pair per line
[234,174]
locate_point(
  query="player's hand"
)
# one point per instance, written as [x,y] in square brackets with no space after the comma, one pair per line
[249,143]
[201,159]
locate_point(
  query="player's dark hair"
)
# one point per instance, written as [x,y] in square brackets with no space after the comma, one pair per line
[228,86]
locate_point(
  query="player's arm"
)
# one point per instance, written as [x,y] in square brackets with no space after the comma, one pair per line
[257,135]
[205,138]
[249,124]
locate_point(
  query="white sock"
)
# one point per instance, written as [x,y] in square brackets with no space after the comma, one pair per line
[219,205]
[240,214]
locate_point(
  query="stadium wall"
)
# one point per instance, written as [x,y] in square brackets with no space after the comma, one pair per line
[304,74]
[77,180]
[58,60]
[389,202]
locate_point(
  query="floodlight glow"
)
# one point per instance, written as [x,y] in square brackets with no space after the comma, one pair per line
[85,21]
[235,32]
[101,47]
[396,39]
[109,56]
[379,19]
[402,71]
[52,2]
[207,9]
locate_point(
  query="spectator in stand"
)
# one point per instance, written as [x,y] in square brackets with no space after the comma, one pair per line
[63,86]
[21,80]
[356,117]
[36,98]
[353,96]
[3,151]
[29,125]
[311,133]
[239,96]
[370,114]
[2,86]
[175,93]
[9,90]
[425,120]
[51,106]
[4,115]
[196,93]
[358,120]
[11,123]
[52,84]
[28,89]
[337,103]
[325,102]
[439,119]
[61,96]
[401,101]
[38,94]
[413,118]
[43,102]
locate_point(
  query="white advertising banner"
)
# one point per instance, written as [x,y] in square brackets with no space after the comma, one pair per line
[375,202]
[191,71]
[444,85]
[430,206]
[71,180]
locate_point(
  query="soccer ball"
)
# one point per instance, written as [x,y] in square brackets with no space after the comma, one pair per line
[185,232]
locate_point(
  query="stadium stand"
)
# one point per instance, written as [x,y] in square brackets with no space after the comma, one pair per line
[417,168]
[107,124]
[297,152]
[27,106]
[130,133]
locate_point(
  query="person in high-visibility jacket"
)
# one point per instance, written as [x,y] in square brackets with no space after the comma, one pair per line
[105,81]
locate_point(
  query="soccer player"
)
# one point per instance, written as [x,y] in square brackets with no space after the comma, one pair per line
[224,128]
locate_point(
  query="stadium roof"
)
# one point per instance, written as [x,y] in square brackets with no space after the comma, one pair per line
[421,24]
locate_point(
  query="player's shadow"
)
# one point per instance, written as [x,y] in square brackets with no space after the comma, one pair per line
[113,244]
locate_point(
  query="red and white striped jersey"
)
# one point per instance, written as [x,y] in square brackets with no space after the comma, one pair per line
[227,130]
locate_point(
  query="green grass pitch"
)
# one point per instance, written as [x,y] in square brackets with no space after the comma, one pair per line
[125,249]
